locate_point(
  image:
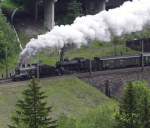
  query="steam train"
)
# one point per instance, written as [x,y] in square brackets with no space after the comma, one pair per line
[80,65]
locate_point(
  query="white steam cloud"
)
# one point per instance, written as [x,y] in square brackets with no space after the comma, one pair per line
[130,17]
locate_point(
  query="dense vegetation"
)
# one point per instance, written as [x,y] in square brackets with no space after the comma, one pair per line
[9,46]
[67,10]
[134,110]
[8,39]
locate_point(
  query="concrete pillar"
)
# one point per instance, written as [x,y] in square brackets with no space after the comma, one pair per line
[49,8]
[96,6]
[101,5]
[36,10]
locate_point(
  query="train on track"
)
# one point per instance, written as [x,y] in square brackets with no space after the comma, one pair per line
[79,65]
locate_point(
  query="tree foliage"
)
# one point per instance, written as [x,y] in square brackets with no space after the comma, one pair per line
[134,111]
[24,2]
[70,8]
[7,39]
[32,110]
[74,10]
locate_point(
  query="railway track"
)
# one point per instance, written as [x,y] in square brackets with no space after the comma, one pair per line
[113,71]
[88,74]
[3,81]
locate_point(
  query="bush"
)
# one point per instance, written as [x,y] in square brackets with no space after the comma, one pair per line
[101,117]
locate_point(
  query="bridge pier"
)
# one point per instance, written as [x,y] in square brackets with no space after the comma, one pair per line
[49,13]
[95,6]
[101,5]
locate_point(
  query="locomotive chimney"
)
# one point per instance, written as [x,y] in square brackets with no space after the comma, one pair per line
[62,55]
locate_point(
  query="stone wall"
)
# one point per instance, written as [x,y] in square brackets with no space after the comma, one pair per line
[117,79]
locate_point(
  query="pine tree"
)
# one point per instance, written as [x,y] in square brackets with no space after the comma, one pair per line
[134,107]
[146,112]
[32,110]
[144,108]
[127,113]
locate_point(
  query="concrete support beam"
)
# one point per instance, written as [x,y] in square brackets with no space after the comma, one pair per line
[95,6]
[49,14]
[101,5]
[36,10]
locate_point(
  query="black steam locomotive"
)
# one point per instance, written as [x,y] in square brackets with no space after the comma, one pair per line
[80,65]
[25,72]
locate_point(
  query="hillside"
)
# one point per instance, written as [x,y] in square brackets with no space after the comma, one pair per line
[68,96]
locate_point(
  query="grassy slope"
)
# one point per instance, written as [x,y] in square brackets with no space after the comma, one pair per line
[67,95]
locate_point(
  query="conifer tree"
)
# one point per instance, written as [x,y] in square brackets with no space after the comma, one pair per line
[144,109]
[127,115]
[134,111]
[146,112]
[32,110]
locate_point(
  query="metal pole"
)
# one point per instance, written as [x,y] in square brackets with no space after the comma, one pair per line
[107,88]
[6,64]
[142,55]
[62,52]
[90,67]
[13,26]
[38,67]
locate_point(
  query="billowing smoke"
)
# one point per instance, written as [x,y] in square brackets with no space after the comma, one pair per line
[130,17]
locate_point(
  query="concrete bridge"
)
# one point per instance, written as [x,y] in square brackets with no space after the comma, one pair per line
[92,6]
[49,7]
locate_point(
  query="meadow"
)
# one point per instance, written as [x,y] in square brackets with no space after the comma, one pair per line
[69,97]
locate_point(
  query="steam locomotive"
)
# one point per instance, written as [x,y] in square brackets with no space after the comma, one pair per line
[80,65]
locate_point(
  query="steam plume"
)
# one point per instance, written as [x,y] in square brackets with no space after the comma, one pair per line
[130,17]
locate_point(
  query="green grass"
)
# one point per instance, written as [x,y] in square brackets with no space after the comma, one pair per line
[68,96]
[95,50]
